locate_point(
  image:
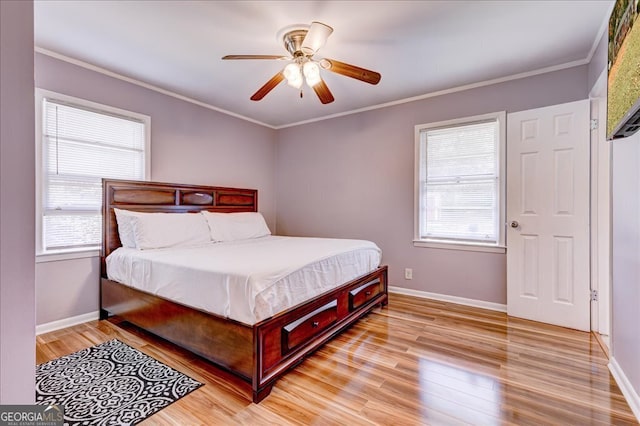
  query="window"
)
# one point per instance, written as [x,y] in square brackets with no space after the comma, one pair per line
[79,143]
[459,183]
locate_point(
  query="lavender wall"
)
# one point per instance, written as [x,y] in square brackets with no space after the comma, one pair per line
[189,144]
[353,177]
[66,288]
[598,62]
[17,233]
[626,257]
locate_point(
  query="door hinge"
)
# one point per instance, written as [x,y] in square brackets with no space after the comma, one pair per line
[594,295]
[594,123]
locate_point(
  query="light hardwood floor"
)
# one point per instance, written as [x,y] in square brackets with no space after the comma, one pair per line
[414,362]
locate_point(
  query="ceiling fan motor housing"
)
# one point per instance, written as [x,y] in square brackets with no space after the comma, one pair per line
[293,42]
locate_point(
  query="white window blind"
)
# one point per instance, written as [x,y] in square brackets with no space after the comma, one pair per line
[79,147]
[459,183]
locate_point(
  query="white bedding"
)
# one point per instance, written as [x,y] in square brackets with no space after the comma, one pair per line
[246,280]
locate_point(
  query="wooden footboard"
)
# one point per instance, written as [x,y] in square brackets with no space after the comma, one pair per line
[259,354]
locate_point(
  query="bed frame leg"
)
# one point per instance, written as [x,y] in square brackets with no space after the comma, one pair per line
[260,394]
[385,302]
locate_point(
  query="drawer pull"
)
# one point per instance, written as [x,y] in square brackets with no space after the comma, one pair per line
[367,293]
[315,324]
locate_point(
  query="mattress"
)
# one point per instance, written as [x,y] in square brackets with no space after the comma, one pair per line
[247,280]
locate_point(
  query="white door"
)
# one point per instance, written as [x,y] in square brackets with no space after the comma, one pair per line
[548,215]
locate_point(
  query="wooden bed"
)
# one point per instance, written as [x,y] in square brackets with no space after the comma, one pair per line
[258,354]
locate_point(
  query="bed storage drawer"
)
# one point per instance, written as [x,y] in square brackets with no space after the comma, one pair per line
[303,329]
[361,295]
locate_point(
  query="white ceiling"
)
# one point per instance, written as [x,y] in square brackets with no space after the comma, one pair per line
[419,47]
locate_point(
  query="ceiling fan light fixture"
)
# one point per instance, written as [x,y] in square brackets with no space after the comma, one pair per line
[311,73]
[316,37]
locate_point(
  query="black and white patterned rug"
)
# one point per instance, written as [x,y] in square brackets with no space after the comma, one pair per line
[111,383]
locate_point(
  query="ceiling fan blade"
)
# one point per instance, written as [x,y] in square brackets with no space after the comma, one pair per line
[316,37]
[352,71]
[323,92]
[280,57]
[268,86]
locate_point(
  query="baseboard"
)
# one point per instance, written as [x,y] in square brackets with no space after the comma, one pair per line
[625,386]
[66,322]
[602,343]
[447,298]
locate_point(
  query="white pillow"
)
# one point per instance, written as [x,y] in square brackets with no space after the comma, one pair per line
[236,226]
[161,230]
[125,227]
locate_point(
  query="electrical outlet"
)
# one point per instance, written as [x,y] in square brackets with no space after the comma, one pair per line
[408,273]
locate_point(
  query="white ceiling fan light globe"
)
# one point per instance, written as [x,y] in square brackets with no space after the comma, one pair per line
[291,71]
[311,73]
[316,37]
[293,75]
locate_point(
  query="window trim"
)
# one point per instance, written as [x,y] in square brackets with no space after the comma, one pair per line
[67,254]
[499,247]
[40,95]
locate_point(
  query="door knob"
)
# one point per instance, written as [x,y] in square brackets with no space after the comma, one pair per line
[514,224]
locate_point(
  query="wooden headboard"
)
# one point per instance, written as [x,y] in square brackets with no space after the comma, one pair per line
[168,198]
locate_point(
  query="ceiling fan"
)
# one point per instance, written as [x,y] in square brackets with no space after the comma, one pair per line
[302,43]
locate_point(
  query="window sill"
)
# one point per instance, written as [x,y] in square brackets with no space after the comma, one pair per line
[487,248]
[58,255]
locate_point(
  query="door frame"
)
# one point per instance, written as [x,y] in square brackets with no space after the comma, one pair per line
[600,215]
